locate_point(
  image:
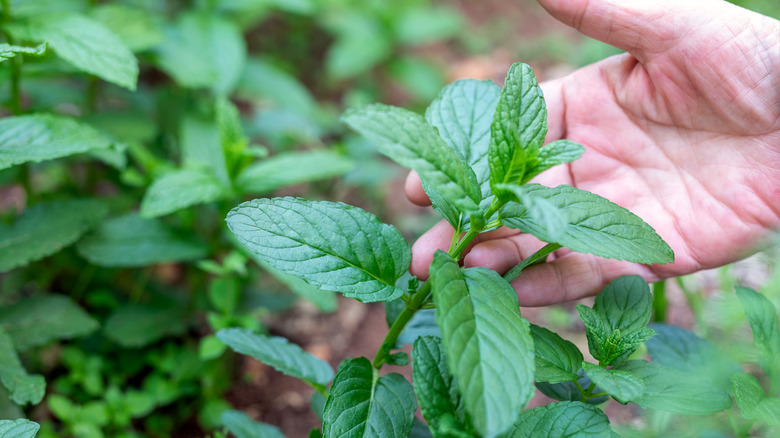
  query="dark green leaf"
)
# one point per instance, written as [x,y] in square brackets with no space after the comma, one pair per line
[40,137]
[463,113]
[133,241]
[622,385]
[23,388]
[595,226]
[553,154]
[8,51]
[487,342]
[330,245]
[667,389]
[596,330]
[625,303]
[410,141]
[362,405]
[180,189]
[560,420]
[518,128]
[136,325]
[84,43]
[45,229]
[18,428]
[762,316]
[279,353]
[203,50]
[752,401]
[35,321]
[240,425]
[556,359]
[292,168]
[423,323]
[435,387]
[568,391]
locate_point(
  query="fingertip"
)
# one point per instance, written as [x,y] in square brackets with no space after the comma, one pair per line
[438,237]
[414,190]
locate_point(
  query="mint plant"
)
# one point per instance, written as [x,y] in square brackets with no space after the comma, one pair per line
[475,150]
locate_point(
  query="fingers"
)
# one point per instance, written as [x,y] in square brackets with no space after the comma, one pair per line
[414,190]
[571,277]
[438,237]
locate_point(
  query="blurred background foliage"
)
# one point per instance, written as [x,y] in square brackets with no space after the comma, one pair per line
[234,99]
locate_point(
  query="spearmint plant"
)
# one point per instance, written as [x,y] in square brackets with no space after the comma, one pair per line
[475,150]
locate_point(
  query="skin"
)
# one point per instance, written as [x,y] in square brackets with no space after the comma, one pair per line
[683,130]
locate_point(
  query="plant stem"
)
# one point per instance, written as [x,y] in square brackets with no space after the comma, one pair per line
[15,104]
[537,257]
[659,301]
[415,302]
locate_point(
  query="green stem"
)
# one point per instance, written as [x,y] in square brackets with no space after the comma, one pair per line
[659,301]
[537,257]
[15,104]
[415,302]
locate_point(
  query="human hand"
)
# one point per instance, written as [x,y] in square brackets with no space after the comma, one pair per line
[683,130]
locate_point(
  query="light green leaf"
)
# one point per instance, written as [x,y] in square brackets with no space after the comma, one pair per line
[84,43]
[410,141]
[8,51]
[325,300]
[201,146]
[752,401]
[279,353]
[292,168]
[463,113]
[553,154]
[762,316]
[539,210]
[264,82]
[596,226]
[625,303]
[556,359]
[18,428]
[622,385]
[136,325]
[203,50]
[596,330]
[518,128]
[180,189]
[435,387]
[35,321]
[427,24]
[23,388]
[137,28]
[667,389]
[240,425]
[487,342]
[360,43]
[133,241]
[40,137]
[45,229]
[332,246]
[560,420]
[362,405]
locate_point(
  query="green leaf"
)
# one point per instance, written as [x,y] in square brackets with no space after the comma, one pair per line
[518,128]
[411,142]
[137,325]
[360,43]
[762,316]
[556,359]
[203,50]
[40,137]
[625,303]
[362,405]
[332,246]
[279,353]
[137,28]
[463,113]
[84,43]
[553,154]
[292,168]
[180,189]
[562,419]
[752,401]
[325,300]
[262,81]
[240,425]
[201,146]
[683,350]
[427,24]
[539,210]
[435,387]
[45,229]
[8,51]
[667,389]
[18,428]
[595,226]
[487,342]
[22,387]
[568,391]
[133,241]
[35,321]
[622,385]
